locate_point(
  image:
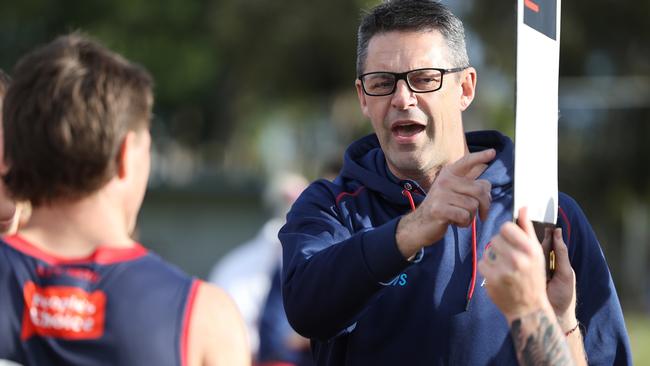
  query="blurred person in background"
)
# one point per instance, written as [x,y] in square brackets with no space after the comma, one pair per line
[380,266]
[246,272]
[77,289]
[279,343]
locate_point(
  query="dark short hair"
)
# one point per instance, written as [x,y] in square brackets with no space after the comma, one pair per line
[66,113]
[412,16]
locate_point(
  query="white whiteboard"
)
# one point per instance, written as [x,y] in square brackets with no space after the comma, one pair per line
[536,112]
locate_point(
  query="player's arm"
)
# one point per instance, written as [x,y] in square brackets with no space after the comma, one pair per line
[514,269]
[561,291]
[217,331]
[538,339]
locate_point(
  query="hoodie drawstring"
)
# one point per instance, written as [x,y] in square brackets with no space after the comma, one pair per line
[472,284]
[408,195]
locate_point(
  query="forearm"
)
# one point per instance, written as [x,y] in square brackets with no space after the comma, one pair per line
[576,345]
[322,299]
[407,235]
[539,340]
[325,292]
[570,327]
[414,232]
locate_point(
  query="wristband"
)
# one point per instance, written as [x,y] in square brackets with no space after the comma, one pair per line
[572,330]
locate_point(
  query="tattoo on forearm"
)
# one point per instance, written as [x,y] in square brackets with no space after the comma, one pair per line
[539,341]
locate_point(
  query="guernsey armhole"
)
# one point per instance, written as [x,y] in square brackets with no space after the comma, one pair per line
[187,320]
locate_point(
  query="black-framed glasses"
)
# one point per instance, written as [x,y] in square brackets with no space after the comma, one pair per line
[424,80]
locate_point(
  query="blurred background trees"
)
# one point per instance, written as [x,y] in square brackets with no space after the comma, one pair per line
[247,87]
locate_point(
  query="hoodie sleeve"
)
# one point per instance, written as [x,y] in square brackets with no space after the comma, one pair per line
[598,308]
[330,274]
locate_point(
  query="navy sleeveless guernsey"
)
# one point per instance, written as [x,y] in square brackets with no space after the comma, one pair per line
[119,306]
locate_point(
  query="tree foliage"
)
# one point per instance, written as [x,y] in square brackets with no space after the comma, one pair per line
[223,67]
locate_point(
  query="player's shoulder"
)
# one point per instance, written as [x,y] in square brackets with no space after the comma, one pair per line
[3,245]
[211,294]
[152,262]
[10,255]
[213,303]
[217,332]
[4,256]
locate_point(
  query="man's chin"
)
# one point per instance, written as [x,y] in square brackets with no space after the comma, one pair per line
[405,164]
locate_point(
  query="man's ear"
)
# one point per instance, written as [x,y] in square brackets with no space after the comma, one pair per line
[362,98]
[123,154]
[468,87]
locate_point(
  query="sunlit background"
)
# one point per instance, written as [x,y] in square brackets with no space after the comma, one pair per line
[249,87]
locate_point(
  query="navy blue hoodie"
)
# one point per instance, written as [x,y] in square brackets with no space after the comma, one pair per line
[348,288]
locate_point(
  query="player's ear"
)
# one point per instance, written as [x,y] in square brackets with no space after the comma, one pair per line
[123,154]
[468,87]
[362,98]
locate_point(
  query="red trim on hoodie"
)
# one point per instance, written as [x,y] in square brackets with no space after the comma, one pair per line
[343,194]
[568,224]
[102,255]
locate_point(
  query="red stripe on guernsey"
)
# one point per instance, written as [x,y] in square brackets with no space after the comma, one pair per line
[187,318]
[102,255]
[343,194]
[568,224]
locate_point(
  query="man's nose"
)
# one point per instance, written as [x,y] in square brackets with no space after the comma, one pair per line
[403,97]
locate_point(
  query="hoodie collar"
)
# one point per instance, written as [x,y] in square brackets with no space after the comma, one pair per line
[365,162]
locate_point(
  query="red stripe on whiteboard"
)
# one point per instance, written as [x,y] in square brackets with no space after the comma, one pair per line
[531,5]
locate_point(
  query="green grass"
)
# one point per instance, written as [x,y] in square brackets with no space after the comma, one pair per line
[638,327]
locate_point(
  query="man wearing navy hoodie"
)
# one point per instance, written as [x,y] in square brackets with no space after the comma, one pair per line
[380,265]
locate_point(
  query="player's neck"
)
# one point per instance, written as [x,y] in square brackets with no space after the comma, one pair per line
[76,229]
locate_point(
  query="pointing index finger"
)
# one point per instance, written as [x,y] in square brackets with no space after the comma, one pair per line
[473,164]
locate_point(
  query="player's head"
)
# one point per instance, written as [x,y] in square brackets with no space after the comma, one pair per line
[412,16]
[72,115]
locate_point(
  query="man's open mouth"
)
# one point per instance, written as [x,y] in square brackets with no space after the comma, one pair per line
[407,130]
